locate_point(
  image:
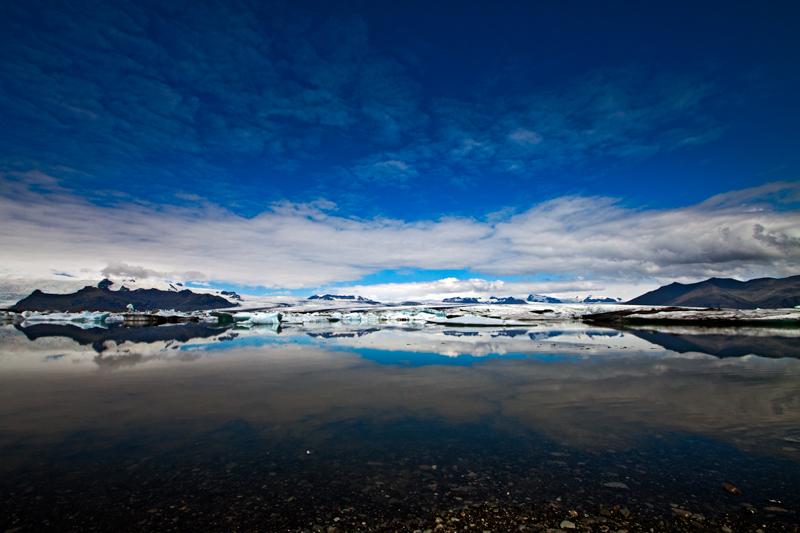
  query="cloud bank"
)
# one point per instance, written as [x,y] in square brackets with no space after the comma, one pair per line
[746,233]
[485,289]
[117,270]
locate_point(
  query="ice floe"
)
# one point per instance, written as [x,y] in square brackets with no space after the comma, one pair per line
[474,320]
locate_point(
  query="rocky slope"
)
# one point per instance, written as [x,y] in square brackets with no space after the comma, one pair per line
[764,293]
[102,299]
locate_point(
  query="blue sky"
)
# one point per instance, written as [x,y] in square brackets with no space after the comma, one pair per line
[429,140]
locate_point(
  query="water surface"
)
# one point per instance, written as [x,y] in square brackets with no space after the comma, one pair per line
[389,428]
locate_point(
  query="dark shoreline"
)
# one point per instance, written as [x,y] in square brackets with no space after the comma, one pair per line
[234,480]
[634,317]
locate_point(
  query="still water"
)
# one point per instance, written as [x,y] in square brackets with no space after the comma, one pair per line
[358,428]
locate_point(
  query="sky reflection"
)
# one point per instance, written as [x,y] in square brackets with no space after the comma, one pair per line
[583,387]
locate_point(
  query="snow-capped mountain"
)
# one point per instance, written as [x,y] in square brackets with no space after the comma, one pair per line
[591,299]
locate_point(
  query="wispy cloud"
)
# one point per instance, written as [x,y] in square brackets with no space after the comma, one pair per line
[307,245]
[153,94]
[614,115]
[162,99]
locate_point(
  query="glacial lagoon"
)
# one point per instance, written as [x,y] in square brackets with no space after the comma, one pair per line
[350,427]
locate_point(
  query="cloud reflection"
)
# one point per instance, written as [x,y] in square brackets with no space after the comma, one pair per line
[284,388]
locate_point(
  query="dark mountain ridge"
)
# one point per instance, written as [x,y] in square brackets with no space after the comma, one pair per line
[100,298]
[764,293]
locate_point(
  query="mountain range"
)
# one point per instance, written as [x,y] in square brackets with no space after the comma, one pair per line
[340,297]
[100,298]
[763,293]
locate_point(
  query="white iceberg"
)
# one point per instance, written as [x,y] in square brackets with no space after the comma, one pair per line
[265,318]
[474,320]
[167,313]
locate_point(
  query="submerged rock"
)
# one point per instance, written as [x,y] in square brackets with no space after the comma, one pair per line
[731,489]
[683,513]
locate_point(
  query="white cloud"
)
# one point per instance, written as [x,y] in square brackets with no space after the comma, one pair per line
[117,269]
[481,288]
[303,245]
[620,113]
[525,137]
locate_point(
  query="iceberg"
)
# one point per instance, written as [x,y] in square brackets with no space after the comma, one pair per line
[265,318]
[249,319]
[474,320]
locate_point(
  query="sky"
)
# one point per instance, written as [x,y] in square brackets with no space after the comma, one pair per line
[400,149]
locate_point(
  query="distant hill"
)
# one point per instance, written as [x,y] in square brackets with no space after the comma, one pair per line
[100,298]
[461,300]
[342,298]
[764,293]
[494,300]
[539,298]
[506,300]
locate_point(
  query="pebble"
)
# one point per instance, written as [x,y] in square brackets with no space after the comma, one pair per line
[334,497]
[730,488]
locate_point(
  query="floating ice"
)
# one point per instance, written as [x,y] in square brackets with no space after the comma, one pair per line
[170,313]
[265,318]
[474,320]
[257,318]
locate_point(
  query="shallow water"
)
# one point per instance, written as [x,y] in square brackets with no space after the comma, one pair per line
[189,427]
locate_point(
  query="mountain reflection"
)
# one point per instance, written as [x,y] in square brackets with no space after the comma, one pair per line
[725,343]
[450,342]
[97,337]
